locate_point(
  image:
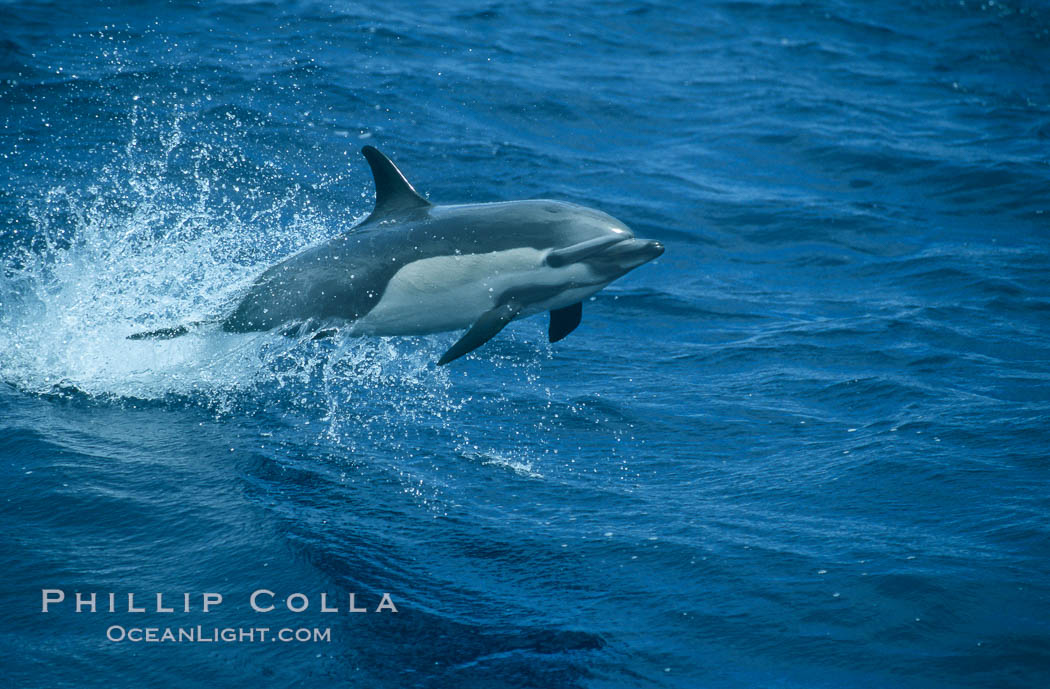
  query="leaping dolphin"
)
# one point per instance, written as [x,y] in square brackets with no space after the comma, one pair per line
[414,268]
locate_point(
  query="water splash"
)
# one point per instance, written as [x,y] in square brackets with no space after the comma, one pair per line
[158,238]
[168,233]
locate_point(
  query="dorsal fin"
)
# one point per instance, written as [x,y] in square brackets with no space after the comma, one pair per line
[393,192]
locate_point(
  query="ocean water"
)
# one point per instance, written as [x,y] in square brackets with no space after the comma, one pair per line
[807,447]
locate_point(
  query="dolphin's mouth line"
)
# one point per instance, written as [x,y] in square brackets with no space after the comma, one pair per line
[631,249]
[578,252]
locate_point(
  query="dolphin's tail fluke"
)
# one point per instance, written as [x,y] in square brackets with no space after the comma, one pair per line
[167,333]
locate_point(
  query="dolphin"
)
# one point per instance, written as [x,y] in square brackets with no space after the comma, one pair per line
[415,268]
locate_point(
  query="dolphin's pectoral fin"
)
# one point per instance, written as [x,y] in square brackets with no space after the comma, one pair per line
[486,327]
[578,252]
[564,321]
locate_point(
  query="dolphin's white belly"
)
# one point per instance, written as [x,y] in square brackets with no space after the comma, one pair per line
[451,292]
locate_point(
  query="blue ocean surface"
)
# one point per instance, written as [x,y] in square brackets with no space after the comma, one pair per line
[807,447]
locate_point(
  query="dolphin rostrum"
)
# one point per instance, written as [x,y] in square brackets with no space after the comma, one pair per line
[413,268]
